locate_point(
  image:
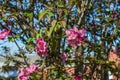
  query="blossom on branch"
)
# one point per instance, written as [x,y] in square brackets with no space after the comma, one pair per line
[4,33]
[114,57]
[24,74]
[41,47]
[32,68]
[77,77]
[64,57]
[75,37]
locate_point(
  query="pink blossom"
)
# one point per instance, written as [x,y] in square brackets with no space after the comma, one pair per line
[114,14]
[82,32]
[41,47]
[75,37]
[24,74]
[23,77]
[32,68]
[4,33]
[64,57]
[77,77]
[113,56]
[115,50]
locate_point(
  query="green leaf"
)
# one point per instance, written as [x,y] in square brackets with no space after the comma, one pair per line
[90,6]
[50,13]
[42,14]
[59,78]
[7,62]
[39,34]
[61,6]
[109,19]
[30,40]
[11,39]
[58,26]
[52,28]
[17,36]
[29,14]
[54,22]
[68,79]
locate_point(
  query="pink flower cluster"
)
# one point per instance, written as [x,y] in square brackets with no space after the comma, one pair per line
[4,33]
[64,57]
[77,77]
[41,47]
[114,56]
[24,73]
[75,36]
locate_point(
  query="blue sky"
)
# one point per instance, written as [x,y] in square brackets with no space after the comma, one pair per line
[11,45]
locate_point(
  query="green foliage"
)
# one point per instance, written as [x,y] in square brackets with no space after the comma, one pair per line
[49,19]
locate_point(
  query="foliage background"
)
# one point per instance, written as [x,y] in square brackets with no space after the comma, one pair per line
[31,19]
